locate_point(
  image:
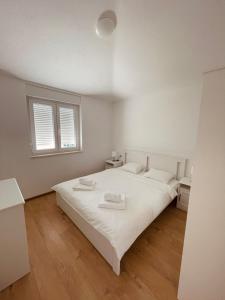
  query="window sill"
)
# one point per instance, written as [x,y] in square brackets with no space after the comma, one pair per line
[56,153]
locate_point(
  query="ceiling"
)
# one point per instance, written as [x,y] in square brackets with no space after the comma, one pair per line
[53,42]
[157,43]
[162,43]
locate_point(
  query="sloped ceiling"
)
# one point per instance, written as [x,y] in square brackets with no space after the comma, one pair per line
[157,43]
[53,42]
[161,43]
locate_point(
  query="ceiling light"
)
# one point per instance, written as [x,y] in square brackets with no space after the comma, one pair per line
[106,24]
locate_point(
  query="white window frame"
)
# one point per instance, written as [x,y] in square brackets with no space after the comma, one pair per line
[56,119]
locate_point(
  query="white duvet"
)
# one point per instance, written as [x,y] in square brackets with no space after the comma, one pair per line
[145,198]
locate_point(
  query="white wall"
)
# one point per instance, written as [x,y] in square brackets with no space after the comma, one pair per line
[203,263]
[37,175]
[161,49]
[164,122]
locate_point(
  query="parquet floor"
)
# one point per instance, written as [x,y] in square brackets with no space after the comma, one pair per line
[65,266]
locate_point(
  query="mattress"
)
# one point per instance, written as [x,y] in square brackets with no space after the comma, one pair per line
[145,200]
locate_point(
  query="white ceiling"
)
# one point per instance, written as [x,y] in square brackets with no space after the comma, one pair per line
[157,43]
[166,43]
[53,42]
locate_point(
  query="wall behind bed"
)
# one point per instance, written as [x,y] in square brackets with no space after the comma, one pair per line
[36,175]
[164,121]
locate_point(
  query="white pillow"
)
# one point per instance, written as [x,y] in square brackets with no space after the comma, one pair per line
[132,167]
[159,175]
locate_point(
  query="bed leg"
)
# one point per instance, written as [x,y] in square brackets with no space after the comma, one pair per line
[116,267]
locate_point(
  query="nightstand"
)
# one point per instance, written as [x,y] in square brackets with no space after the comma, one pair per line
[184,193]
[113,163]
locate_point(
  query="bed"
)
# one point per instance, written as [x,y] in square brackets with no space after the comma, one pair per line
[112,232]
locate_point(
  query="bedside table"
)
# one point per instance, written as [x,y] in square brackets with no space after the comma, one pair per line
[184,193]
[113,164]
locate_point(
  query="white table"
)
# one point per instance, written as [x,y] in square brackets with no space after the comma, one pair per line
[113,164]
[14,261]
[184,193]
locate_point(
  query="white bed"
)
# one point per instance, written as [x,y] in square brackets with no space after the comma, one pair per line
[112,232]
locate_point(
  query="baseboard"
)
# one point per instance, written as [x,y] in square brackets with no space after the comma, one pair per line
[40,195]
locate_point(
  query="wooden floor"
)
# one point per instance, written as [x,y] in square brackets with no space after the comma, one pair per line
[64,265]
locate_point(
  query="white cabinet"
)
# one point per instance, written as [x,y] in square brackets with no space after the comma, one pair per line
[113,164]
[184,193]
[14,262]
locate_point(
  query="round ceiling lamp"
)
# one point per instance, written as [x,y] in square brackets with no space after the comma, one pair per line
[106,24]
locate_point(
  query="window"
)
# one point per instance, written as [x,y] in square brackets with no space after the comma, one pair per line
[55,126]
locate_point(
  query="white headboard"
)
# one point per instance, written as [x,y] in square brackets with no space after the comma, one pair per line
[136,156]
[173,164]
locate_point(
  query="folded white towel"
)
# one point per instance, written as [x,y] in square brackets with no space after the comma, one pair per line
[113,205]
[81,187]
[112,197]
[87,181]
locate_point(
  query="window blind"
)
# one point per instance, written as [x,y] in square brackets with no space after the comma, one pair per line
[44,126]
[54,126]
[67,127]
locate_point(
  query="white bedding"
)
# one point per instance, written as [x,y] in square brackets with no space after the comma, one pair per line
[146,199]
